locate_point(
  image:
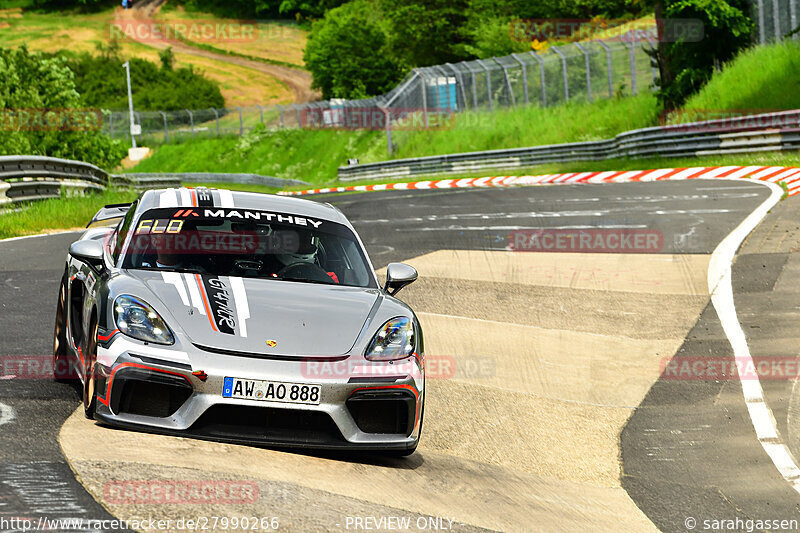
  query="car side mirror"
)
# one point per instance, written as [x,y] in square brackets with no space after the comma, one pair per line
[88,251]
[398,275]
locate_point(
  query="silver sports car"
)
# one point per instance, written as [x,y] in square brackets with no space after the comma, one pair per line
[240,317]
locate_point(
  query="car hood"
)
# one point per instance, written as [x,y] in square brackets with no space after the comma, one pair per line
[261,316]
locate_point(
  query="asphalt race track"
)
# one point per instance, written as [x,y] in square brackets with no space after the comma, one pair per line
[553,412]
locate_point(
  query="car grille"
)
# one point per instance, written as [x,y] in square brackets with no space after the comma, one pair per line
[292,426]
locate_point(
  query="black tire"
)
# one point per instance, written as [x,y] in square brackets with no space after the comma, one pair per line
[62,371]
[89,381]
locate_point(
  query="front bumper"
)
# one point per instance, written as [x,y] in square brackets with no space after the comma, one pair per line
[363,405]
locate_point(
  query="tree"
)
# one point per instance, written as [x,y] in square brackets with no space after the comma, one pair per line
[167,58]
[686,64]
[81,5]
[348,53]
[35,85]
[427,32]
[491,37]
[101,82]
[309,8]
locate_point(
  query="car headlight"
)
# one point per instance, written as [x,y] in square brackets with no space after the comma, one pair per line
[395,340]
[140,321]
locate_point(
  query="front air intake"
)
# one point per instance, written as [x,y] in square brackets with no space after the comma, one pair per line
[383,412]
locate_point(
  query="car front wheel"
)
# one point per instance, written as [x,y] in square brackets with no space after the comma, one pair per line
[89,379]
[62,372]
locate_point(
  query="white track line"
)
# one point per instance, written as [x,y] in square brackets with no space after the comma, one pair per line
[721,291]
[7,414]
[42,235]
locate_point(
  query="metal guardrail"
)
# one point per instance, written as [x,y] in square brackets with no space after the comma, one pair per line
[32,166]
[755,133]
[142,183]
[33,178]
[211,177]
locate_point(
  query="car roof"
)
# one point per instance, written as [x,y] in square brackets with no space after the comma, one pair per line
[223,198]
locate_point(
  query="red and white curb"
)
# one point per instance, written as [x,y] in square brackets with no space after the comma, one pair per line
[790,176]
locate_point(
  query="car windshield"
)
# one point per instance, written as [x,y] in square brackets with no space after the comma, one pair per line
[247,243]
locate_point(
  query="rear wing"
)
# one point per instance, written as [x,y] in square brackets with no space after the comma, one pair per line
[110,212]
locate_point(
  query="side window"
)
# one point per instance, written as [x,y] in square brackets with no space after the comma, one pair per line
[122,231]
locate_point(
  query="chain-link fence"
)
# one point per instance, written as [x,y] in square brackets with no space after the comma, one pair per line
[581,72]
[775,19]
[158,127]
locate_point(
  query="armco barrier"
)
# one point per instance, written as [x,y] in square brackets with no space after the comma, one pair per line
[29,166]
[211,177]
[143,183]
[754,133]
[32,178]
[787,176]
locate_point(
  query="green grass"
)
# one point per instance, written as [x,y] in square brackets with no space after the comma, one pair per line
[760,79]
[311,156]
[530,126]
[209,48]
[315,155]
[65,213]
[13,4]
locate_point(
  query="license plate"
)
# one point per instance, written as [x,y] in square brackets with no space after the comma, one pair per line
[271,391]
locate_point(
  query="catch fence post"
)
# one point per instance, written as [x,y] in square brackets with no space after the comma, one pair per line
[488,83]
[563,71]
[191,121]
[524,77]
[166,127]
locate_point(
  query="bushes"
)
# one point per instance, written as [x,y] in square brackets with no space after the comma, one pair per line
[101,82]
[81,5]
[34,82]
[348,53]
